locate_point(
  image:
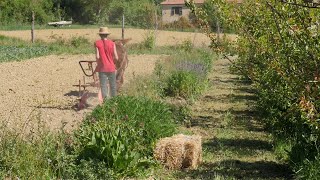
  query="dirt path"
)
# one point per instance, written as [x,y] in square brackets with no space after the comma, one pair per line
[235,145]
[41,90]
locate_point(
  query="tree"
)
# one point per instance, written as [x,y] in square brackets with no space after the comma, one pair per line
[19,11]
[278,49]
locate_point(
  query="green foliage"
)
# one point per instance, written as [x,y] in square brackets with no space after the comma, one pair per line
[20,11]
[181,24]
[278,49]
[123,131]
[13,49]
[31,157]
[185,76]
[149,41]
[114,143]
[148,45]
[87,169]
[44,156]
[15,53]
[187,45]
[309,169]
[142,86]
[140,13]
[183,84]
[79,41]
[182,113]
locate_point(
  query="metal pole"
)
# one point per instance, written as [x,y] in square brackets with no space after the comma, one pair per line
[32,28]
[122,26]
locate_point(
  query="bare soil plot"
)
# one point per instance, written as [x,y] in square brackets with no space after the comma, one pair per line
[41,89]
[137,35]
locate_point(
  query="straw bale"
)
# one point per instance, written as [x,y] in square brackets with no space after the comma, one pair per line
[179,151]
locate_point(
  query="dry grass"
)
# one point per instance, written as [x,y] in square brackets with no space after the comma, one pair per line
[138,35]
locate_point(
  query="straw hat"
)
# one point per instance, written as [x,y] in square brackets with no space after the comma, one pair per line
[104,30]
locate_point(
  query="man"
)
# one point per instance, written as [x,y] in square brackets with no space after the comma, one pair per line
[106,53]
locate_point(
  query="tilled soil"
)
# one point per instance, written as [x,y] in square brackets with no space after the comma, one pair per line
[41,90]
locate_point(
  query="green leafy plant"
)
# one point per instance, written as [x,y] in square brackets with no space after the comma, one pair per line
[183,84]
[187,45]
[123,131]
[149,41]
[79,41]
[114,143]
[309,169]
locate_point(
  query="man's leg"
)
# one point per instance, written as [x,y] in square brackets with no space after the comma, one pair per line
[103,84]
[113,84]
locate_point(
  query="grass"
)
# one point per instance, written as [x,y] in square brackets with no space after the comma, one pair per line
[14,49]
[235,145]
[50,156]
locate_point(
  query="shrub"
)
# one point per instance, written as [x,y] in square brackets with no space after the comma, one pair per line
[187,45]
[183,84]
[142,86]
[31,157]
[149,41]
[186,74]
[79,41]
[181,24]
[309,169]
[114,142]
[123,131]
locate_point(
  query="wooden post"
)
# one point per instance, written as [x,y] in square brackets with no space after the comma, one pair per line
[156,26]
[156,14]
[123,26]
[32,28]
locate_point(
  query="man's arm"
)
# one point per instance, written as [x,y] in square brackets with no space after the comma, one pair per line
[115,53]
[97,54]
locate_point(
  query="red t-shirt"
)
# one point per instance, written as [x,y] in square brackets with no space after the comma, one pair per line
[106,52]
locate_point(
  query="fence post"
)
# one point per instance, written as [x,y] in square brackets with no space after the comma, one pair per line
[156,25]
[32,28]
[123,26]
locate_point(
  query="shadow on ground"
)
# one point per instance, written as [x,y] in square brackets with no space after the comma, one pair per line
[240,119]
[237,144]
[235,169]
[239,147]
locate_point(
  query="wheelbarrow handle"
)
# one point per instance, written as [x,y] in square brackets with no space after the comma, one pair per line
[90,67]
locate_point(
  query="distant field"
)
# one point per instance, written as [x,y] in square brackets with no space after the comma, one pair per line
[137,35]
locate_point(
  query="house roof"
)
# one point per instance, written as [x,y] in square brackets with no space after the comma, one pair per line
[171,2]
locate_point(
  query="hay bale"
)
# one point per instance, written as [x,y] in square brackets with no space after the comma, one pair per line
[179,151]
